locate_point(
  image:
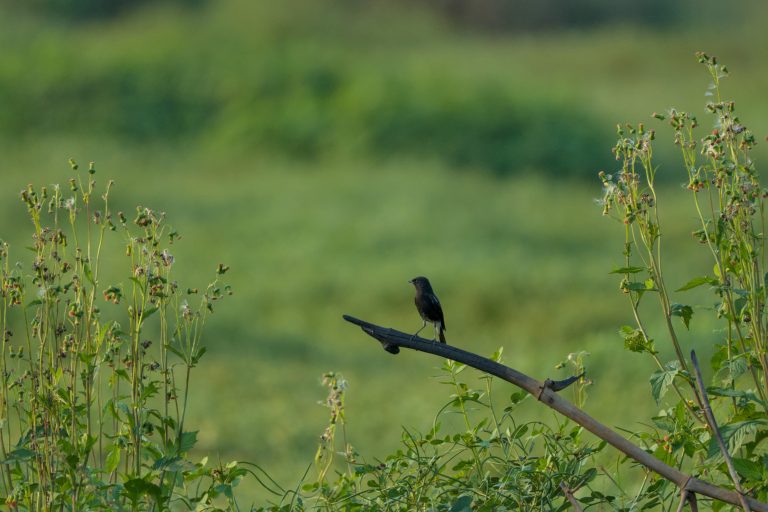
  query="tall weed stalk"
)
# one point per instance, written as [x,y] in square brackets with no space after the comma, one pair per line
[96,374]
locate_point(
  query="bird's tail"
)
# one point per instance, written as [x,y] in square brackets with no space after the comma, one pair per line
[442,333]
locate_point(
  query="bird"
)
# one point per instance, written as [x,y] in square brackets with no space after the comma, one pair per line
[429,307]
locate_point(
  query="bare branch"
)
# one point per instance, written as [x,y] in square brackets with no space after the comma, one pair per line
[683,500]
[393,339]
[716,432]
[687,497]
[692,501]
[569,495]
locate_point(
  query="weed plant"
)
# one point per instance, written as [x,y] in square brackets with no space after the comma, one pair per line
[492,463]
[96,377]
[730,207]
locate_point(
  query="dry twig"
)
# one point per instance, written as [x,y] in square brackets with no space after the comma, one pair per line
[716,433]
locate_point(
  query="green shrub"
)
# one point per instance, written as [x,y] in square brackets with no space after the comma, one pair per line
[489,461]
[485,128]
[82,10]
[304,109]
[550,14]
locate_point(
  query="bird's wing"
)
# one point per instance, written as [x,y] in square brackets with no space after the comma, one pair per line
[436,304]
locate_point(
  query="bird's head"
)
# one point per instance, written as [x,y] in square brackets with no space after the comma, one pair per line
[421,283]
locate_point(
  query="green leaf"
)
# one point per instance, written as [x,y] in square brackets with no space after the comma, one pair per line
[123,407]
[463,504]
[732,369]
[149,312]
[627,270]
[87,357]
[665,423]
[120,372]
[734,435]
[103,331]
[696,282]
[138,487]
[113,459]
[33,303]
[662,379]
[188,440]
[739,305]
[683,311]
[176,351]
[200,353]
[149,390]
[170,463]
[89,274]
[749,469]
[736,393]
[19,454]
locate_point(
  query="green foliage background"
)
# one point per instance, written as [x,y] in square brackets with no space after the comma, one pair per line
[330,151]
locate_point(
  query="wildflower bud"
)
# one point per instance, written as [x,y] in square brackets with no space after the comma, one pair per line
[167,258]
[658,116]
[73,164]
[91,168]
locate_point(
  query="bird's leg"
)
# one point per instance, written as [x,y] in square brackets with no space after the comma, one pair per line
[435,324]
[417,332]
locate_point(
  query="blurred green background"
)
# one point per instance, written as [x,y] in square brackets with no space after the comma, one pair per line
[331,150]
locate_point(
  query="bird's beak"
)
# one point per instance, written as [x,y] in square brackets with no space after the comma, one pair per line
[410,281]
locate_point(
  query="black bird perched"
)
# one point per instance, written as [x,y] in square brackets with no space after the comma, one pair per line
[428,306]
